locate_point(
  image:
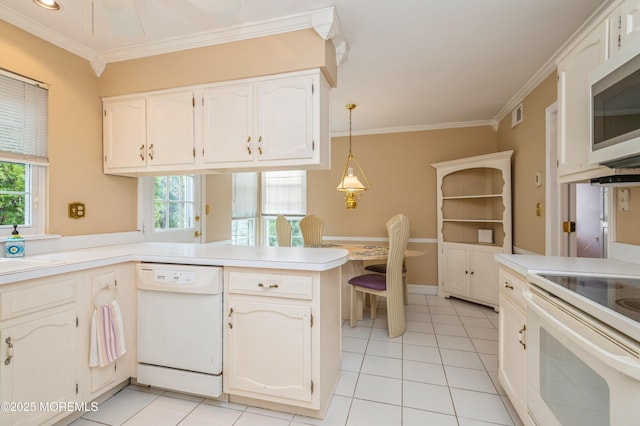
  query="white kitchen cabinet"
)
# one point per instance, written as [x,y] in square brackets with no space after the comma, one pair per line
[574,101]
[149,134]
[252,124]
[124,130]
[268,122]
[474,223]
[624,25]
[470,272]
[282,338]
[103,285]
[512,355]
[38,349]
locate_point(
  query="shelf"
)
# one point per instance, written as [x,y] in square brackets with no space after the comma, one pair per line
[466,231]
[470,197]
[474,220]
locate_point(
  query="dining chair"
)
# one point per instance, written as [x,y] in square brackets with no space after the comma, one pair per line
[388,285]
[312,228]
[283,231]
[381,268]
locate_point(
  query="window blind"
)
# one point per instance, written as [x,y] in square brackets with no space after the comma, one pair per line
[245,195]
[23,120]
[284,192]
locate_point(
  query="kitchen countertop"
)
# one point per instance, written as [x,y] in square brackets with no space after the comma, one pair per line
[294,258]
[535,264]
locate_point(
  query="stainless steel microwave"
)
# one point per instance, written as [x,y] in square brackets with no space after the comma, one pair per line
[615,110]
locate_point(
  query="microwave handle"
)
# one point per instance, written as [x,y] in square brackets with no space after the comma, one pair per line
[624,364]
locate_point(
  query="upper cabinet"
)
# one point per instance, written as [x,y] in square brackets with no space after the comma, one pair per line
[617,26]
[255,124]
[573,105]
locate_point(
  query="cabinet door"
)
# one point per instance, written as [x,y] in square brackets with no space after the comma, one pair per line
[512,355]
[574,97]
[456,271]
[285,119]
[124,134]
[484,276]
[170,129]
[270,349]
[630,22]
[228,121]
[39,367]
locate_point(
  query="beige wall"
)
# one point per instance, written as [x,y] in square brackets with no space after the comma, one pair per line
[402,181]
[75,137]
[280,53]
[528,141]
[628,222]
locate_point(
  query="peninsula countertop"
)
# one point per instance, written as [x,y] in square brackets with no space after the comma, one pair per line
[293,258]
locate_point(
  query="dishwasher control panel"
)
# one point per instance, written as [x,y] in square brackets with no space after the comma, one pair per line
[174,277]
[198,279]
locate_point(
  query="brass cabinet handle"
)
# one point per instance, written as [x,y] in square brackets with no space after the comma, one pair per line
[141,152]
[260,145]
[9,351]
[249,144]
[269,286]
[197,234]
[521,336]
[151,151]
[507,285]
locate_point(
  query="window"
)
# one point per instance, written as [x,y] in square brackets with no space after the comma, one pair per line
[170,208]
[280,192]
[173,202]
[23,153]
[244,209]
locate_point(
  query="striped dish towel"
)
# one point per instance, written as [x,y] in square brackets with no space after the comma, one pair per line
[107,335]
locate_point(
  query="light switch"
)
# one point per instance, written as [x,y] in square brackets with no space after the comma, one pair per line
[76,210]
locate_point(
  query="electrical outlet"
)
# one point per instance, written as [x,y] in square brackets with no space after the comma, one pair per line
[76,210]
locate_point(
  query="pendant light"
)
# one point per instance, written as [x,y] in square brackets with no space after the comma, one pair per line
[349,183]
[48,4]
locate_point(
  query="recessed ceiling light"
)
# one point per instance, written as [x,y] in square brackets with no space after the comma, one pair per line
[48,4]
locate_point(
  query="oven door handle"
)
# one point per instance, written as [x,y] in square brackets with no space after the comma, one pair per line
[627,365]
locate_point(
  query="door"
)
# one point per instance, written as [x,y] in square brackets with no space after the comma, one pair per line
[456,270]
[585,224]
[228,124]
[285,119]
[171,208]
[170,134]
[512,354]
[38,366]
[270,345]
[484,275]
[125,134]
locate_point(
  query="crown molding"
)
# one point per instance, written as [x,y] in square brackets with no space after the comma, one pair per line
[324,21]
[453,125]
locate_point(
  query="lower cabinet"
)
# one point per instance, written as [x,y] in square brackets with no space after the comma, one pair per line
[512,354]
[282,338]
[470,272]
[44,343]
[38,355]
[105,285]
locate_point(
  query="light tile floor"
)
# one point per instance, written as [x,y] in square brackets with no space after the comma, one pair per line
[442,371]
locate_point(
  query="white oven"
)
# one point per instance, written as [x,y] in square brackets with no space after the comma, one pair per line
[580,371]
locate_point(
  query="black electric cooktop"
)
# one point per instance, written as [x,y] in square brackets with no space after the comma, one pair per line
[621,295]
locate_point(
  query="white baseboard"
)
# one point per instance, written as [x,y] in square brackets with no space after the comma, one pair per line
[431,290]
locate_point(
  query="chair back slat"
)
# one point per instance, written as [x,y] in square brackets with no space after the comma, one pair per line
[312,228]
[283,231]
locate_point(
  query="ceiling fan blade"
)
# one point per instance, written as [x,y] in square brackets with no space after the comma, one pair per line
[123,17]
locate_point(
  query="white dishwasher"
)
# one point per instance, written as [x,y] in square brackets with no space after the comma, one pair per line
[180,327]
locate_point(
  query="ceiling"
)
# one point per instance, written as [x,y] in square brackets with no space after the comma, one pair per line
[411,64]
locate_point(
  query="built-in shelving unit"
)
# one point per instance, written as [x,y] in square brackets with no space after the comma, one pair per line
[474,223]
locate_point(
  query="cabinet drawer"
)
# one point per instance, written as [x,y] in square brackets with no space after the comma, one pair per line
[275,285]
[512,287]
[43,295]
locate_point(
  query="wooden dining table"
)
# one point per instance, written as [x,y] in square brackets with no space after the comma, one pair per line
[358,255]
